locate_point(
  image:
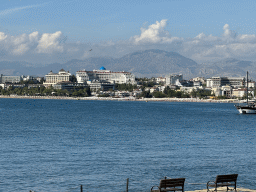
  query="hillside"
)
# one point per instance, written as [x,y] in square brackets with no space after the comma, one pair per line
[146,63]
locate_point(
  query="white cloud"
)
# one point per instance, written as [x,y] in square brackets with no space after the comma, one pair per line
[19,39]
[33,37]
[33,45]
[21,49]
[206,38]
[227,32]
[19,45]
[16,9]
[246,38]
[50,47]
[2,36]
[50,43]
[228,45]
[155,33]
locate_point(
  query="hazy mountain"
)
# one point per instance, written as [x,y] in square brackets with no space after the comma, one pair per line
[142,63]
[228,67]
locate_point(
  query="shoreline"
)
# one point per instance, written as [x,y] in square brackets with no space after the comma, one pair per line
[127,99]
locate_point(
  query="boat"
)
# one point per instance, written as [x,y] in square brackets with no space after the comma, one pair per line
[249,108]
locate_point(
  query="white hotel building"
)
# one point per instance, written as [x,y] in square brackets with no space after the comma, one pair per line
[222,81]
[105,75]
[54,78]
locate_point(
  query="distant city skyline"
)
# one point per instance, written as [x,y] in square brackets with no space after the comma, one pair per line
[57,31]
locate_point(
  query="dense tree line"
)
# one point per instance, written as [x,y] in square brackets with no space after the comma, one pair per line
[125,87]
[35,91]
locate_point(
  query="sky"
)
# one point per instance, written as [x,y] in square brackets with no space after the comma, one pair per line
[48,31]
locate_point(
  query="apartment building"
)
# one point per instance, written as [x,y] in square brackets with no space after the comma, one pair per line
[174,79]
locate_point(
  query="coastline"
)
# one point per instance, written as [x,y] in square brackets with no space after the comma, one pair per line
[127,99]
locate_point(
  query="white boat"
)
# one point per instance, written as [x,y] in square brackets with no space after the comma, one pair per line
[248,108]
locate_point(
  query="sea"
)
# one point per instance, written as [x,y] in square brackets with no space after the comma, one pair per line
[61,145]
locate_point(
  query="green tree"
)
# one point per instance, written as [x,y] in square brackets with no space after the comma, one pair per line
[145,94]
[73,79]
[159,94]
[18,91]
[25,91]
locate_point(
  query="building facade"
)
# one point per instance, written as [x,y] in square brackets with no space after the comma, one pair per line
[10,79]
[223,81]
[54,78]
[68,85]
[105,75]
[102,86]
[173,79]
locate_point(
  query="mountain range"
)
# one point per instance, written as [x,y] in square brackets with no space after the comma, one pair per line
[148,63]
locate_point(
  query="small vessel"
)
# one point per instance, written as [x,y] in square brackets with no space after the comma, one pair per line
[249,108]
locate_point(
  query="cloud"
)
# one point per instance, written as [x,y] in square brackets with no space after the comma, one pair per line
[16,9]
[52,47]
[228,33]
[33,45]
[21,49]
[155,33]
[50,43]
[228,45]
[2,36]
[33,37]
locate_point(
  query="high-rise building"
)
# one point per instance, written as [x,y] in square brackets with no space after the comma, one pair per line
[174,79]
[102,75]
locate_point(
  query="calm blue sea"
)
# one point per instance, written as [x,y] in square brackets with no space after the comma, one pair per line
[58,145]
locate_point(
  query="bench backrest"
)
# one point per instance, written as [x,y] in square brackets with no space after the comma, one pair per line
[178,182]
[226,178]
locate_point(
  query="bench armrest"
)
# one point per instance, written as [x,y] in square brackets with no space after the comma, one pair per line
[153,187]
[207,185]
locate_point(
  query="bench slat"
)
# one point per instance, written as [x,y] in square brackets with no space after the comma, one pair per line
[224,181]
[226,178]
[172,184]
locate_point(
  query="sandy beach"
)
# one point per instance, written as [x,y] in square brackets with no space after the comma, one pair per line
[127,99]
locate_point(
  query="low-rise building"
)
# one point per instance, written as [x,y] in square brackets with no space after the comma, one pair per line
[226,91]
[161,80]
[188,89]
[103,86]
[201,79]
[68,85]
[251,84]
[197,83]
[10,79]
[123,94]
[241,92]
[222,91]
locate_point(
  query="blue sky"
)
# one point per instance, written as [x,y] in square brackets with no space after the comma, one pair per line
[115,27]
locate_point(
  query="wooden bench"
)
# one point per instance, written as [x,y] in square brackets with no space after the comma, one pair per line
[223,181]
[171,185]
